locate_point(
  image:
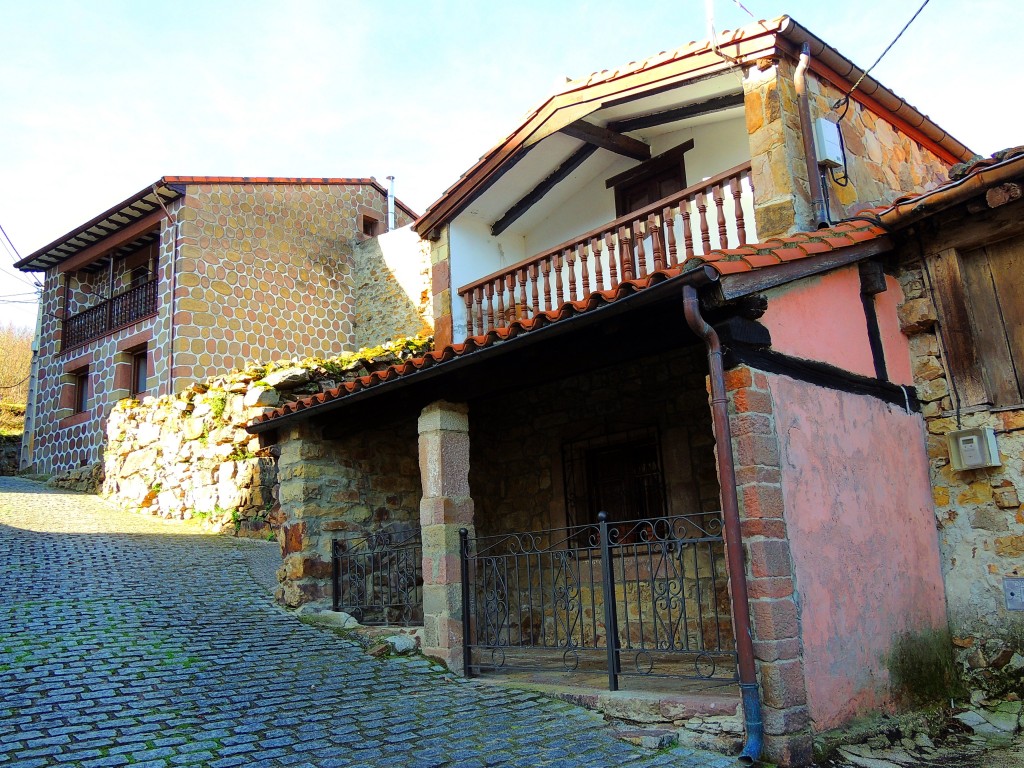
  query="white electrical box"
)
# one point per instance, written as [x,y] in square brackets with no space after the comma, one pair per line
[973,449]
[827,145]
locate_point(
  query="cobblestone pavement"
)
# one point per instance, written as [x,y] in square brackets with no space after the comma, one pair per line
[127,640]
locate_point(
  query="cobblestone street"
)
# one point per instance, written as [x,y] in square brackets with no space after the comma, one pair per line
[127,640]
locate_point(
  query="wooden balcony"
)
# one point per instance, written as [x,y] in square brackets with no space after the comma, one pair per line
[117,312]
[706,216]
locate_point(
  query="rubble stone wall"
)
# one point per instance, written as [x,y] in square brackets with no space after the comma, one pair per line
[883,162]
[979,513]
[360,483]
[189,456]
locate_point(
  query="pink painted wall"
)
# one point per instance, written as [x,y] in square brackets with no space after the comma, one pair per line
[858,511]
[894,342]
[822,318]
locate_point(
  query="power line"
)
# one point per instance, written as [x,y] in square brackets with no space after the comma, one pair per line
[10,242]
[846,96]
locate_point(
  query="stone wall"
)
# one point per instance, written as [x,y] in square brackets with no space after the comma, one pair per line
[516,440]
[360,483]
[189,455]
[249,271]
[281,257]
[392,287]
[883,162]
[979,513]
[10,454]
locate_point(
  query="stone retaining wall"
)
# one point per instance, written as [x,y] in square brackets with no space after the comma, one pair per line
[189,455]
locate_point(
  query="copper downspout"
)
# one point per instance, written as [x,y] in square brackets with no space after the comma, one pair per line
[820,215]
[731,518]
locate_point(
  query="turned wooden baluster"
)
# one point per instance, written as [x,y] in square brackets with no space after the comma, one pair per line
[490,307]
[670,231]
[595,250]
[702,214]
[499,288]
[687,233]
[654,227]
[545,267]
[611,246]
[559,293]
[626,253]
[521,273]
[570,254]
[581,253]
[741,229]
[510,287]
[641,255]
[469,313]
[533,285]
[723,229]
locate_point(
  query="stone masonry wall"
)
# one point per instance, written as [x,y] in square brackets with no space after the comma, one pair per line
[392,288]
[883,162]
[256,270]
[774,610]
[189,454]
[361,483]
[63,439]
[516,440]
[281,257]
[979,513]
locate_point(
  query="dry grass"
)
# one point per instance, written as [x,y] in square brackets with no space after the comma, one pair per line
[12,419]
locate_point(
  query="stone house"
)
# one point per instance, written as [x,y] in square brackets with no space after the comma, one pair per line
[549,488]
[960,272]
[191,276]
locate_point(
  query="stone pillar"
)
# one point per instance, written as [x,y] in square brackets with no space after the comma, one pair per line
[778,168]
[445,508]
[774,611]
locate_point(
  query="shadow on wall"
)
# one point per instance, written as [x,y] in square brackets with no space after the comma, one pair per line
[392,288]
[10,453]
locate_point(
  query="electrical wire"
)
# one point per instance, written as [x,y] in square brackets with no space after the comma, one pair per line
[846,96]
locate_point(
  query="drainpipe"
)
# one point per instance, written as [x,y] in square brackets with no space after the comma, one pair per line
[731,517]
[391,203]
[820,215]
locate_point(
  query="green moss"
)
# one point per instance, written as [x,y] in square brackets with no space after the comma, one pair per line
[921,668]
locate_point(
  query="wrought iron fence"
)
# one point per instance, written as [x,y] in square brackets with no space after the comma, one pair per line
[645,598]
[378,577]
[108,316]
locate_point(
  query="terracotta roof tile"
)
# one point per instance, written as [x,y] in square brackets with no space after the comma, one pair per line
[790,254]
[746,258]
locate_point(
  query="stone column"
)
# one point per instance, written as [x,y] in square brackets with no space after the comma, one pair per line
[445,508]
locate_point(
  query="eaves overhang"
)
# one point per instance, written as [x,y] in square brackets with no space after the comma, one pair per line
[739,48]
[140,206]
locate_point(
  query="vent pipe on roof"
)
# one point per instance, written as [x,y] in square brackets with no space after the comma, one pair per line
[391,203]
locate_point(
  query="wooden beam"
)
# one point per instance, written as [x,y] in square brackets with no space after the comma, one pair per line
[678,113]
[608,139]
[109,243]
[662,161]
[575,160]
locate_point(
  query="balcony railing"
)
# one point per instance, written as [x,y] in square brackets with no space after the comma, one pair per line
[662,235]
[119,311]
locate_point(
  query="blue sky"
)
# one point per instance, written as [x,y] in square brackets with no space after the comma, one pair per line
[99,99]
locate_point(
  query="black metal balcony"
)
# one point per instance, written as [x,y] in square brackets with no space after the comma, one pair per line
[117,312]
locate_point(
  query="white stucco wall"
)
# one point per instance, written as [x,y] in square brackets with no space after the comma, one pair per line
[716,147]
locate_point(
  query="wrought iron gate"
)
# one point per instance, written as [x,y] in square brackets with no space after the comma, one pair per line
[644,598]
[378,577]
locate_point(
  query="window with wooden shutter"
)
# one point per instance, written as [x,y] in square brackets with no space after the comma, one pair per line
[980,297]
